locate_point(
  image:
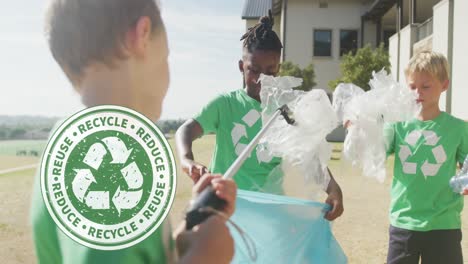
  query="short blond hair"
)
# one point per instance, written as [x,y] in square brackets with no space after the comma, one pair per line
[430,62]
[83,31]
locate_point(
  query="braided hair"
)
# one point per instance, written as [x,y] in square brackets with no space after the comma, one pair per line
[261,36]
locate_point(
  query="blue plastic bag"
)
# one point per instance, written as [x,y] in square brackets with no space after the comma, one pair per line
[283,230]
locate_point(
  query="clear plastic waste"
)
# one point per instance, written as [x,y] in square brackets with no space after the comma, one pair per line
[275,227]
[460,181]
[302,146]
[366,113]
[343,93]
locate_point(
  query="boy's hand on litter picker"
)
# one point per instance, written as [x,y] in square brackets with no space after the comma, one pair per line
[465,191]
[208,242]
[193,169]
[225,189]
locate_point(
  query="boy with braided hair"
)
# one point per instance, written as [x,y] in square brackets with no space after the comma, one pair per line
[235,118]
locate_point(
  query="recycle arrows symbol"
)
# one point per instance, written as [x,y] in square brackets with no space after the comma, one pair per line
[408,167]
[101,199]
[430,139]
[237,133]
[430,169]
[240,131]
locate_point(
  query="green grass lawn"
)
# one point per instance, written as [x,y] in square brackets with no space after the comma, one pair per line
[362,231]
[12,147]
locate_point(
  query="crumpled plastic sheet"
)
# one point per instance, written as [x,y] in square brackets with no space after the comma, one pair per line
[275,228]
[388,101]
[344,92]
[279,229]
[302,146]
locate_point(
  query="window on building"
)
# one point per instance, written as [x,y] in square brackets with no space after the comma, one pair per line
[348,41]
[322,42]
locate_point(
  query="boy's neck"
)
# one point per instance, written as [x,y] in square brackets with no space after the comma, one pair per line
[429,113]
[102,85]
[118,86]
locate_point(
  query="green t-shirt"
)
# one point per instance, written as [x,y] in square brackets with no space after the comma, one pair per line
[53,246]
[426,156]
[235,118]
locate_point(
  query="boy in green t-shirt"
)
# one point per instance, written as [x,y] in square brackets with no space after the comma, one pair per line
[115,52]
[235,118]
[424,211]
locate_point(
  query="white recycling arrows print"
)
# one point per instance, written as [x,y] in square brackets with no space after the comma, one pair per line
[251,117]
[126,199]
[95,155]
[131,173]
[132,176]
[430,139]
[408,167]
[239,131]
[97,200]
[81,183]
[118,150]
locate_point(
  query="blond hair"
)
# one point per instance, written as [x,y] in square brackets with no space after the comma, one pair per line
[83,31]
[430,62]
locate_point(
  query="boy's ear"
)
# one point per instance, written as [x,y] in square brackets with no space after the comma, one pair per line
[445,85]
[138,38]
[241,65]
[278,70]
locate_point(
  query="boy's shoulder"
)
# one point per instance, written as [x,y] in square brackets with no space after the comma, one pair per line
[236,96]
[444,119]
[226,98]
[455,122]
[228,95]
[234,93]
[441,125]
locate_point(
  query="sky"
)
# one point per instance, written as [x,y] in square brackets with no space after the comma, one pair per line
[204,50]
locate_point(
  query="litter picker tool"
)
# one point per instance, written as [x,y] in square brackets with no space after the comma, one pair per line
[208,197]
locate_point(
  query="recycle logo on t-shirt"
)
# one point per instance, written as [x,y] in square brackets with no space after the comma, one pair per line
[239,131]
[430,141]
[108,177]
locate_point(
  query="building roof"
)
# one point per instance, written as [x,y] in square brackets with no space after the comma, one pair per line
[254,9]
[379,8]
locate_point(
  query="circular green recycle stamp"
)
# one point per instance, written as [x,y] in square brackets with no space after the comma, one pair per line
[108,177]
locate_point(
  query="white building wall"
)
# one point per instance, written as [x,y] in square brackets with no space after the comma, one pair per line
[282,32]
[370,34]
[303,16]
[407,39]
[250,23]
[460,60]
[393,52]
[440,37]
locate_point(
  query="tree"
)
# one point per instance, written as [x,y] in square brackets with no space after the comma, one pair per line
[307,74]
[3,134]
[17,133]
[169,126]
[357,68]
